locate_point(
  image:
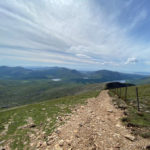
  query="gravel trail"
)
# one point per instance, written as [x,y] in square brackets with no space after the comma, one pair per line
[95,126]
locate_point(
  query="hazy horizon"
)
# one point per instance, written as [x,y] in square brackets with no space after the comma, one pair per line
[81,70]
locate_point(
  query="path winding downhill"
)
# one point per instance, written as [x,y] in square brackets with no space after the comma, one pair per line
[95,126]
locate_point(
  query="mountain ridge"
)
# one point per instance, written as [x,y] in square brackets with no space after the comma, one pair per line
[63,73]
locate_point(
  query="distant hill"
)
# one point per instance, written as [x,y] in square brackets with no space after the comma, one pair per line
[63,74]
[13,72]
[143,73]
[106,75]
[47,73]
[145,80]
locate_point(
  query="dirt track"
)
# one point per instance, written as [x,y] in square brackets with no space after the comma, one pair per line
[95,126]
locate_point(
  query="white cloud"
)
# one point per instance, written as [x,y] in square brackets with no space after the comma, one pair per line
[66,31]
[131,60]
[82,56]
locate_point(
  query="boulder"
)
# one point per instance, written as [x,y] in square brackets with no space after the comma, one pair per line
[130,137]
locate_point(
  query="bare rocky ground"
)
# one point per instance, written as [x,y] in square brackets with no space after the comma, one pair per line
[95,126]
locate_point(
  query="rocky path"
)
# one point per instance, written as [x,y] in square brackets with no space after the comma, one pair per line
[95,126]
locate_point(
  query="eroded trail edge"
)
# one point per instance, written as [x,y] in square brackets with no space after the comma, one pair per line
[95,126]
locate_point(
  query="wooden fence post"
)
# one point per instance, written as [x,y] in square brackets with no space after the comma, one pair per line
[120,93]
[137,97]
[125,97]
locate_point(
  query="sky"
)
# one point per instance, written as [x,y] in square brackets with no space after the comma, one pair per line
[78,34]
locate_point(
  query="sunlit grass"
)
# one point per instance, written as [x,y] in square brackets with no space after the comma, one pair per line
[139,120]
[39,112]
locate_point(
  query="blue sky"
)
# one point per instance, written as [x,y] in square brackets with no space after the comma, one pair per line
[80,34]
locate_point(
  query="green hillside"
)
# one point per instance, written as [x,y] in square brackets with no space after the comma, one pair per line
[140,121]
[21,92]
[17,125]
[145,80]
[106,75]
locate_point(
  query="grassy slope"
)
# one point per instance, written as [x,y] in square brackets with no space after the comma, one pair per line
[141,81]
[21,92]
[40,112]
[139,120]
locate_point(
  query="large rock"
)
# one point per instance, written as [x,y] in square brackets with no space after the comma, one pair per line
[130,137]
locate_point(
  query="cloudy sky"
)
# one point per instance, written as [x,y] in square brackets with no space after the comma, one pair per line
[81,34]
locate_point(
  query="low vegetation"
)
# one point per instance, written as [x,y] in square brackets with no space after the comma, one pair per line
[18,124]
[138,120]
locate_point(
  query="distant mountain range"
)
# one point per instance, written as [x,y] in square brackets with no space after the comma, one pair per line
[45,73]
[20,73]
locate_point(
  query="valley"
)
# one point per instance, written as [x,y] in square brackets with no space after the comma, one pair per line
[21,86]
